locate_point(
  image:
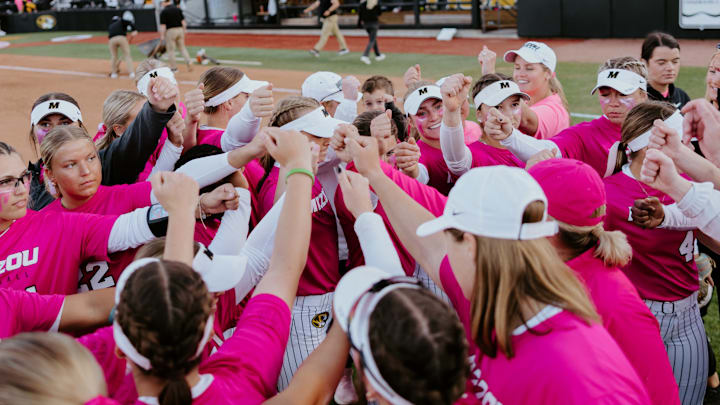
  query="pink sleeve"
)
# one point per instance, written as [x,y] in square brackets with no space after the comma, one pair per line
[431,199]
[569,143]
[254,353]
[91,231]
[33,312]
[552,117]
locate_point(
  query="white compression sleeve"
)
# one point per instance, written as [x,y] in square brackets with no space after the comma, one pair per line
[346,111]
[130,231]
[208,170]
[233,230]
[702,203]
[456,154]
[376,244]
[424,176]
[241,129]
[524,146]
[258,249]
[169,154]
[675,220]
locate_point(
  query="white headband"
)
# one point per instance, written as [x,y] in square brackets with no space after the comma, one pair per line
[122,342]
[244,85]
[674,121]
[63,107]
[310,118]
[416,98]
[497,92]
[624,81]
[165,72]
[359,329]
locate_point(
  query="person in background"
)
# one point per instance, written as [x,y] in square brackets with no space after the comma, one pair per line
[173,29]
[368,13]
[712,79]
[117,33]
[328,17]
[661,54]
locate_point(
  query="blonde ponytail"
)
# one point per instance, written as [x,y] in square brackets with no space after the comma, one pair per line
[610,247]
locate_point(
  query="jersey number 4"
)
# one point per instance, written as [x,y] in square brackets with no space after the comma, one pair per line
[687,247]
[94,277]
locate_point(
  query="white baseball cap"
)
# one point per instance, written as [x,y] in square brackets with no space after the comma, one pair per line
[497,92]
[324,86]
[49,107]
[417,96]
[317,122]
[244,85]
[219,272]
[624,81]
[534,52]
[144,81]
[490,202]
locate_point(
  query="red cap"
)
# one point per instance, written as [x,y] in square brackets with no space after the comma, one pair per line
[574,190]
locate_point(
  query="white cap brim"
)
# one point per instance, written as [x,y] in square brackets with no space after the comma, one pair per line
[436,225]
[415,99]
[62,107]
[317,123]
[221,272]
[497,92]
[529,56]
[351,287]
[340,97]
[624,81]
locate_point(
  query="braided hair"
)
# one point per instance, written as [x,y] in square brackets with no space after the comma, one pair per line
[639,120]
[163,309]
[287,110]
[626,63]
[419,346]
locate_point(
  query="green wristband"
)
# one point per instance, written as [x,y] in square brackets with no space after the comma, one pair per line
[301,171]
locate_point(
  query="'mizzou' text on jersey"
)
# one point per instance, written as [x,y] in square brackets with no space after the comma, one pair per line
[19,259]
[319,202]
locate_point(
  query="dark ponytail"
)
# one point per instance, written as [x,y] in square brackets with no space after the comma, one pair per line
[176,392]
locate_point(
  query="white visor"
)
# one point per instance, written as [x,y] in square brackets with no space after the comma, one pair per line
[416,98]
[63,107]
[318,123]
[244,85]
[220,272]
[624,81]
[674,121]
[497,92]
[144,81]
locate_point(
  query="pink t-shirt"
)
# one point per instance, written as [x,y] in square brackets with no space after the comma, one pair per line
[322,272]
[108,200]
[630,323]
[552,116]
[562,360]
[161,142]
[27,312]
[120,383]
[589,142]
[471,131]
[42,251]
[486,155]
[663,262]
[440,177]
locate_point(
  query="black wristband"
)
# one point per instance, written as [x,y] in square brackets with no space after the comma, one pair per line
[157,220]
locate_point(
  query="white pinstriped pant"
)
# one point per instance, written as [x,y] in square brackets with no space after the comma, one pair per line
[427,282]
[683,334]
[311,316]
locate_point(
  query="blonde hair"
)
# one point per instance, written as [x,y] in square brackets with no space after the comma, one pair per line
[639,120]
[48,368]
[626,63]
[216,80]
[58,137]
[156,248]
[145,66]
[610,247]
[510,275]
[116,111]
[557,88]
[712,98]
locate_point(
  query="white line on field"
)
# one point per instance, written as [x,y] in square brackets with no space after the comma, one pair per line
[581,115]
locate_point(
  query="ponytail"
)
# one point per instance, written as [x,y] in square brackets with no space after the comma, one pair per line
[621,158]
[557,88]
[176,392]
[610,247]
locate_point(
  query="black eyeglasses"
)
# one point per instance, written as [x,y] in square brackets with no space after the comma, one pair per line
[11,183]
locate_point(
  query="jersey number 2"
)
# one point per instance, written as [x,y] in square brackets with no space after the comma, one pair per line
[99,279]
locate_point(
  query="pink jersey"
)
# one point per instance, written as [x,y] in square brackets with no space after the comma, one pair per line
[471,131]
[209,136]
[440,176]
[321,273]
[552,116]
[663,262]
[161,142]
[108,200]
[244,371]
[486,155]
[42,251]
[227,314]
[630,323]
[27,312]
[563,360]
[589,142]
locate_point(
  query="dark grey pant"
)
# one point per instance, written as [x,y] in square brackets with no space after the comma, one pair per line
[372,30]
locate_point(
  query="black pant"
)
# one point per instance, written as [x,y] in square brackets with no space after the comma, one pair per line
[372,29]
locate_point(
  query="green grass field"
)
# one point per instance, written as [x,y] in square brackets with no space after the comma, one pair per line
[577,78]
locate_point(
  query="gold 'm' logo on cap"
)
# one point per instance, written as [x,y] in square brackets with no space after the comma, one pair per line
[320,320]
